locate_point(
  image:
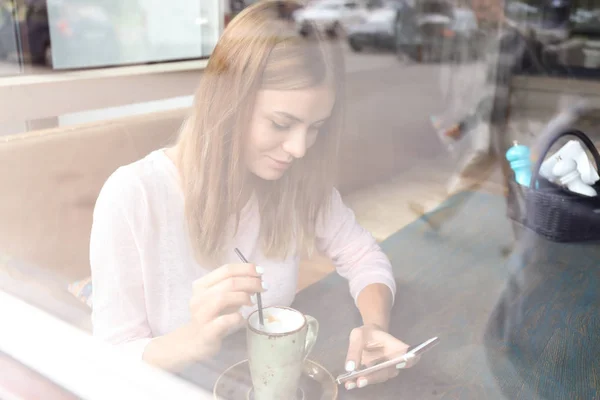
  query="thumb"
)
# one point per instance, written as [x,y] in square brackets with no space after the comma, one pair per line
[355,349]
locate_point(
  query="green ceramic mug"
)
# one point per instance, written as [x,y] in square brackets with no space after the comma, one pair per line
[276,351]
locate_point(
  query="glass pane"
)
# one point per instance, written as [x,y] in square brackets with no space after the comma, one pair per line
[10,49]
[408,170]
[68,34]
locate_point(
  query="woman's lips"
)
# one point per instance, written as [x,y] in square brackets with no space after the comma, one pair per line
[280,164]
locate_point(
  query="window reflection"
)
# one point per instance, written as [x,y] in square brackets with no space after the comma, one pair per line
[69,34]
[437,91]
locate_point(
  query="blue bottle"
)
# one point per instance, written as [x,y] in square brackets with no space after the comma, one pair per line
[519,158]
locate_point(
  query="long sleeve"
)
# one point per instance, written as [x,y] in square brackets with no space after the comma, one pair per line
[353,250]
[119,310]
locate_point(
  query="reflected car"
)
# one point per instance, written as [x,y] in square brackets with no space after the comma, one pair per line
[80,29]
[583,16]
[330,16]
[520,11]
[434,30]
[578,55]
[377,31]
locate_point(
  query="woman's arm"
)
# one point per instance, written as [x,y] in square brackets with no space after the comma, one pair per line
[369,272]
[119,315]
[119,305]
[359,259]
[170,351]
[374,304]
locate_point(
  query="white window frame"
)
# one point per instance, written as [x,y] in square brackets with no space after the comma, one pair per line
[79,363]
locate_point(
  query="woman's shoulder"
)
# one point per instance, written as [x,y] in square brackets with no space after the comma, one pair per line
[334,198]
[130,185]
[332,205]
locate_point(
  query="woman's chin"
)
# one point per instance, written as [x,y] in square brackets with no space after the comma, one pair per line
[272,177]
[269,174]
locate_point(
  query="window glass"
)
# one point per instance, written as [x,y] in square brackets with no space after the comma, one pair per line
[40,36]
[384,173]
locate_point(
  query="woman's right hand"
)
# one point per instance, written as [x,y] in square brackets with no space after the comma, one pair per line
[214,307]
[216,300]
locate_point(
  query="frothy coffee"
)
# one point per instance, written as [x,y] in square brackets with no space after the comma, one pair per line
[278,320]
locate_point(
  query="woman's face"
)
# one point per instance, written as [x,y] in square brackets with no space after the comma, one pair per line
[283,127]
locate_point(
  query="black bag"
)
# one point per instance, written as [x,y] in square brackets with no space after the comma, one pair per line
[552,210]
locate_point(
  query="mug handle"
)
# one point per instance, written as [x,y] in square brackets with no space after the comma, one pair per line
[311,335]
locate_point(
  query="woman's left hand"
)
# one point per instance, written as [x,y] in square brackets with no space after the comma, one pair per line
[370,345]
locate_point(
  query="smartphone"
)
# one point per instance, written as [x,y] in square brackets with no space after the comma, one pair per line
[412,352]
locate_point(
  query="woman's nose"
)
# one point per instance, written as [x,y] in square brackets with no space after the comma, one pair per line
[295,144]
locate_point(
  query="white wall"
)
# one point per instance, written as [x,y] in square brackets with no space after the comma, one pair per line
[124,111]
[25,98]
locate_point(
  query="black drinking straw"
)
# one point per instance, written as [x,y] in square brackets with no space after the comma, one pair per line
[258,297]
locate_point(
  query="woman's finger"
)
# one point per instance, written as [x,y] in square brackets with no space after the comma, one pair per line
[226,272]
[377,377]
[381,338]
[249,285]
[212,304]
[355,349]
[374,346]
[374,360]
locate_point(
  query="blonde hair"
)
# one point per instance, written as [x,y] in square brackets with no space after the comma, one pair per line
[260,49]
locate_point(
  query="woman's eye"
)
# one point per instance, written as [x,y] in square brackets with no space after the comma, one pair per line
[280,127]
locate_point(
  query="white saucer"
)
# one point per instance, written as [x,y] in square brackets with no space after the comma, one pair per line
[316,383]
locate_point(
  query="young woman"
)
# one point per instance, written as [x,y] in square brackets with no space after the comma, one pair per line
[252,169]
